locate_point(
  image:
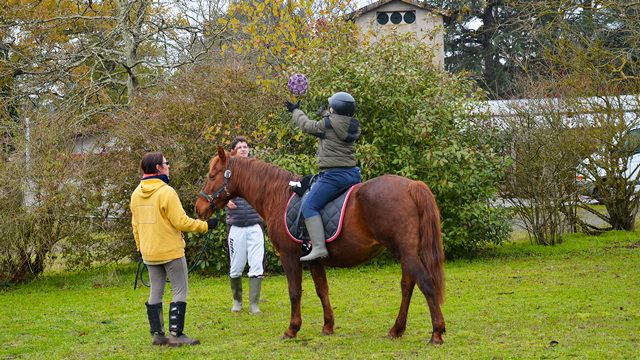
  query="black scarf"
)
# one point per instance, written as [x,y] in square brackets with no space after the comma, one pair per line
[163,177]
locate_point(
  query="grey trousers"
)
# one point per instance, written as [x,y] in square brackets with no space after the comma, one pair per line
[178,274]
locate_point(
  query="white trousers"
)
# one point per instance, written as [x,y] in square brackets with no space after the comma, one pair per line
[246,243]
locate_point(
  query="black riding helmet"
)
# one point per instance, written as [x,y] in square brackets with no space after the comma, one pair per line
[343,103]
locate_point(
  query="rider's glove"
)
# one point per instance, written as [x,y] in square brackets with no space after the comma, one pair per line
[291,106]
[321,109]
[212,223]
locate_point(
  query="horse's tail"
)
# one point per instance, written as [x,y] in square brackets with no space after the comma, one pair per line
[431,251]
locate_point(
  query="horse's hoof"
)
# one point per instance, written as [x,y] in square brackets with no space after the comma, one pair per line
[285,337]
[324,333]
[432,342]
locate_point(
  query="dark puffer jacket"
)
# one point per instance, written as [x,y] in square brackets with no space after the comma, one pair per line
[337,135]
[244,215]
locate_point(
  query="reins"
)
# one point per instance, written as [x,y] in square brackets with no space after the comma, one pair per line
[210,198]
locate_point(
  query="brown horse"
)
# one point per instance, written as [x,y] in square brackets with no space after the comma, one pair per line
[389,212]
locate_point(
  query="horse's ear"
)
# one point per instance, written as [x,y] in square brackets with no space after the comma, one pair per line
[233,152]
[221,153]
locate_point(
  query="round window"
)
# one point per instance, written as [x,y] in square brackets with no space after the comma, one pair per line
[409,17]
[396,18]
[383,18]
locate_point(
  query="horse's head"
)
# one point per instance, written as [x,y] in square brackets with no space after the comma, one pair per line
[216,190]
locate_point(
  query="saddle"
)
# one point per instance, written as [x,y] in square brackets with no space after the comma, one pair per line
[332,214]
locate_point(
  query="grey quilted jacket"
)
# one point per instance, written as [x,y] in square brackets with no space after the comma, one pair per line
[244,215]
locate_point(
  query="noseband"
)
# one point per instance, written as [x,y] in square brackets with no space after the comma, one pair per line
[227,175]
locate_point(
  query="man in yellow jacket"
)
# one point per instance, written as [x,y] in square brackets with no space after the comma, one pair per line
[158,220]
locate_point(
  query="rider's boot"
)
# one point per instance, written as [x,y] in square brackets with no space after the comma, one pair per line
[156,323]
[255,285]
[315,227]
[176,325]
[236,291]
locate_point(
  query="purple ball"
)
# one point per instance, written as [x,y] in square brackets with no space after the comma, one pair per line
[298,84]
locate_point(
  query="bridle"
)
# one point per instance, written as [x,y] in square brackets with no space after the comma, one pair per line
[227,175]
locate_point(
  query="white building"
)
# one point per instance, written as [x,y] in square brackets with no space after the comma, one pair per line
[405,16]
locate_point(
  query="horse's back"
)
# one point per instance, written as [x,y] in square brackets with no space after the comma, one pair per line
[379,213]
[385,190]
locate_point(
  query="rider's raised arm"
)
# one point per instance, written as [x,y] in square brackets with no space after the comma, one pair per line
[315,128]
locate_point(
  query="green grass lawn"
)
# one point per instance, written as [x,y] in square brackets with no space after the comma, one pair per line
[511,303]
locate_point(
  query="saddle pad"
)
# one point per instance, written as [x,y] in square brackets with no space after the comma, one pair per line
[332,215]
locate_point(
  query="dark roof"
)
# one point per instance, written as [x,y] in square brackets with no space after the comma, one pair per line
[377,4]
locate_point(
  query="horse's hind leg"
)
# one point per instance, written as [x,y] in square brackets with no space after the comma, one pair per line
[413,268]
[407,284]
[319,275]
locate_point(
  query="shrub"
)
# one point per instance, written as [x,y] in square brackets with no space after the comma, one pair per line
[53,200]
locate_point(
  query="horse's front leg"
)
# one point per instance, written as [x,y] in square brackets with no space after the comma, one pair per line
[407,285]
[293,271]
[319,275]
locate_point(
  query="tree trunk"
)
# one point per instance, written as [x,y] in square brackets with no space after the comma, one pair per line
[132,26]
[489,58]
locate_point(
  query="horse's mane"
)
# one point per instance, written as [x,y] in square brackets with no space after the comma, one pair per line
[262,178]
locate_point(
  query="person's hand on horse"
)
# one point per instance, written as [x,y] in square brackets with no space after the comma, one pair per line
[321,109]
[291,106]
[212,223]
[231,205]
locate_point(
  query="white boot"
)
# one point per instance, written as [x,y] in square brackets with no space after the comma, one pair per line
[315,227]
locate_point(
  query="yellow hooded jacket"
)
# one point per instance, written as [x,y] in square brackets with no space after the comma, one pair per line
[158,219]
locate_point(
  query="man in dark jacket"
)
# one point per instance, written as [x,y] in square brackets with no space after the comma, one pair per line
[336,133]
[246,242]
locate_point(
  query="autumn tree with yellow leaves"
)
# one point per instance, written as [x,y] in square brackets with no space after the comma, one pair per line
[65,67]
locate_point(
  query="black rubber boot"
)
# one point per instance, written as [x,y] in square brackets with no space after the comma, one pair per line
[156,323]
[176,325]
